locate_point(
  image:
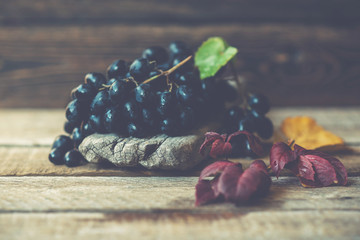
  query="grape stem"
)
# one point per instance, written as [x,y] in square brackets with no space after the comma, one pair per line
[168,72]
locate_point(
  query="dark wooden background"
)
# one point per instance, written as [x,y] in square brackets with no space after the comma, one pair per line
[297,52]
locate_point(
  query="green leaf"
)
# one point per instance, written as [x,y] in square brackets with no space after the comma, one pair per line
[213,54]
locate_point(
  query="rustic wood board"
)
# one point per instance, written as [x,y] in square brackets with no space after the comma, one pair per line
[163,208]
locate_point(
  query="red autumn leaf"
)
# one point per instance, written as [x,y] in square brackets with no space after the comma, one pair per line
[214,169]
[254,141]
[210,137]
[228,180]
[205,192]
[231,183]
[280,155]
[221,145]
[254,182]
[314,168]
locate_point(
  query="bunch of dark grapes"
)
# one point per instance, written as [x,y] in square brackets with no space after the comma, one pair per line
[251,118]
[158,93]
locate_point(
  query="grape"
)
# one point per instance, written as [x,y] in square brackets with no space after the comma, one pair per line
[247,124]
[100,102]
[259,103]
[96,123]
[150,119]
[120,90]
[77,136]
[75,112]
[73,158]
[187,118]
[131,111]
[117,69]
[157,54]
[179,47]
[84,92]
[144,94]
[113,120]
[135,130]
[87,129]
[185,95]
[265,127]
[190,80]
[56,156]
[187,67]
[167,102]
[63,143]
[69,126]
[95,80]
[140,69]
[169,126]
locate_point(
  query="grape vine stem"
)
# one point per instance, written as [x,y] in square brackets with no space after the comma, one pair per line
[168,72]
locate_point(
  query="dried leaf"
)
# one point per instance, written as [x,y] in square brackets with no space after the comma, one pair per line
[280,155]
[214,169]
[210,137]
[308,134]
[231,183]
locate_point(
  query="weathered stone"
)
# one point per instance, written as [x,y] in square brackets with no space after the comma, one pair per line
[158,152]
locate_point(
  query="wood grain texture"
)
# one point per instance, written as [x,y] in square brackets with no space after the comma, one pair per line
[183,12]
[324,224]
[292,63]
[151,194]
[163,208]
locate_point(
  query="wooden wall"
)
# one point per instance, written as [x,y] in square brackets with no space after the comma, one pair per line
[297,52]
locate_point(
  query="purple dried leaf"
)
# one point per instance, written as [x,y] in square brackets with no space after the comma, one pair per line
[214,169]
[220,148]
[254,141]
[280,155]
[210,137]
[254,182]
[305,169]
[204,192]
[228,180]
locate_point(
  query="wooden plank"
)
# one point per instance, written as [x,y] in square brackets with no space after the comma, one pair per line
[292,64]
[33,161]
[326,224]
[151,194]
[39,127]
[186,12]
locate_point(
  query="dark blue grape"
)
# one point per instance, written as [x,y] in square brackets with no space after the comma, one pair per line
[95,80]
[96,123]
[190,80]
[179,47]
[156,53]
[117,69]
[135,130]
[84,92]
[233,115]
[140,69]
[188,118]
[76,112]
[69,126]
[226,92]
[114,122]
[86,129]
[170,126]
[77,136]
[73,158]
[186,95]
[132,111]
[264,127]
[166,102]
[56,156]
[150,119]
[259,103]
[145,95]
[240,147]
[63,143]
[247,124]
[209,89]
[158,84]
[120,90]
[100,102]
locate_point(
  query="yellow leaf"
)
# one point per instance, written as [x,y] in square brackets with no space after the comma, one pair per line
[308,134]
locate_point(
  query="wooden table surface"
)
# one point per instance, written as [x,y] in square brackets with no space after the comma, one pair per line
[41,201]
